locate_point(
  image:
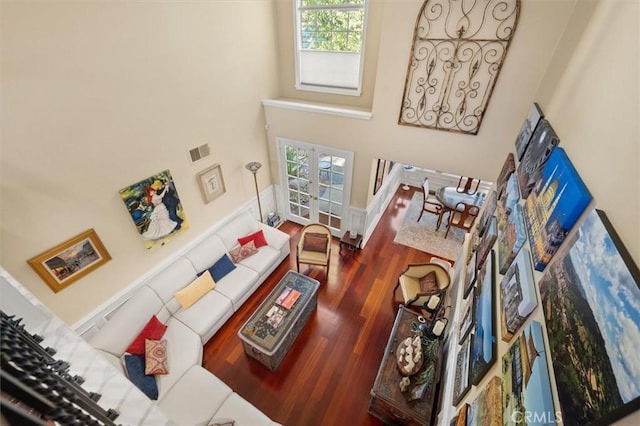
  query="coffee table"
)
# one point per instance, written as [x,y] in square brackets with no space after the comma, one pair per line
[271,330]
[388,402]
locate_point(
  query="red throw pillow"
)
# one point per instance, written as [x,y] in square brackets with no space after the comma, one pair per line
[257,238]
[153,330]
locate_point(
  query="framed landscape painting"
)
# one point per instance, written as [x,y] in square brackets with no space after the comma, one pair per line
[71,260]
[484,348]
[527,129]
[554,207]
[542,144]
[517,295]
[591,300]
[526,387]
[486,242]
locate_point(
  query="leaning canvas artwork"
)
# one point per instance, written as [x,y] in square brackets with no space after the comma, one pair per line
[155,208]
[526,387]
[554,207]
[591,301]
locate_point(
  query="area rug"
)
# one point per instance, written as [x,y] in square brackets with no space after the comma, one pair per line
[423,235]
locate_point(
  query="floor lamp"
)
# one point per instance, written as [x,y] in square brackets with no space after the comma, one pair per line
[253,167]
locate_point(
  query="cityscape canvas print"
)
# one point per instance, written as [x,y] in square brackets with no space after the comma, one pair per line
[591,301]
[508,168]
[526,388]
[155,208]
[508,201]
[527,129]
[554,207]
[517,295]
[542,144]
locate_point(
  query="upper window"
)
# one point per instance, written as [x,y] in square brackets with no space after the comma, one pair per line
[329,45]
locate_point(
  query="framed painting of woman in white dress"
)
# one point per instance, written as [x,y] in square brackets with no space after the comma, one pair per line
[155,208]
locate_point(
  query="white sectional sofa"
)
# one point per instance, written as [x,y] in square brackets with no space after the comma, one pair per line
[189,394]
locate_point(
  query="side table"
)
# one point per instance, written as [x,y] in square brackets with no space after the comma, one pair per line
[352,244]
[387,402]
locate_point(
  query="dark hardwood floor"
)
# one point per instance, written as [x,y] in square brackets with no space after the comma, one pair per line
[326,377]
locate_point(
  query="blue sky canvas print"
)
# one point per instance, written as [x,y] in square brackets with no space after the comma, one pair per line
[591,303]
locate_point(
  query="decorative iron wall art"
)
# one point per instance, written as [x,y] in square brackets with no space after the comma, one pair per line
[458,50]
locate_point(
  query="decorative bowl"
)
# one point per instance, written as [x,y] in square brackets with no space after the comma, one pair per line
[409,356]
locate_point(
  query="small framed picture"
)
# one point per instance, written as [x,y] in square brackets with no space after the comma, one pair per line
[211,183]
[71,260]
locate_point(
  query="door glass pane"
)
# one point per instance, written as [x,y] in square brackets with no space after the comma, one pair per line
[297,163]
[330,189]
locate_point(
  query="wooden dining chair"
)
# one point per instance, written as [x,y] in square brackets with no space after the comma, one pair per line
[464,216]
[430,204]
[468,185]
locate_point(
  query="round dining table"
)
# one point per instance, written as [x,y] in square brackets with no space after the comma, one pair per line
[449,197]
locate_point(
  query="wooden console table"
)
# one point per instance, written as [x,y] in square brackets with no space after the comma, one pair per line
[388,403]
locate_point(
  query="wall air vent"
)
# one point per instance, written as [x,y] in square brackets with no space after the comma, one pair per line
[199,153]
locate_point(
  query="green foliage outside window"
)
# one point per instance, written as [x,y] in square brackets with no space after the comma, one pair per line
[332,25]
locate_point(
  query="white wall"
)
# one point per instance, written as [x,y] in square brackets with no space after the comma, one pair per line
[577,59]
[99,95]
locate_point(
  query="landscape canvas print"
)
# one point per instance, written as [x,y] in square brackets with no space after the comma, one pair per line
[155,208]
[486,409]
[484,346]
[526,388]
[554,207]
[591,301]
[508,168]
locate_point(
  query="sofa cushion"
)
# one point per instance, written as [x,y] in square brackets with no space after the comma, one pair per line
[257,237]
[240,253]
[154,330]
[206,253]
[125,323]
[241,225]
[174,277]
[135,371]
[195,398]
[155,357]
[244,413]
[221,268]
[184,350]
[194,291]
[238,285]
[264,261]
[207,315]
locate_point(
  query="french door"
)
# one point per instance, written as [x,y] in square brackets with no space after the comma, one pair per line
[317,183]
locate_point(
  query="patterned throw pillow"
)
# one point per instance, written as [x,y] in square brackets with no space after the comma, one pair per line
[222,422]
[429,283]
[240,253]
[155,357]
[153,330]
